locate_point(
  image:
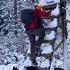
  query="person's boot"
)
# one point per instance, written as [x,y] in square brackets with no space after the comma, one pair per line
[34,62]
[58,69]
[31,68]
[38,51]
[15,68]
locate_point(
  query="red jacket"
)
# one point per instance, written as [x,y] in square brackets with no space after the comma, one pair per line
[34,23]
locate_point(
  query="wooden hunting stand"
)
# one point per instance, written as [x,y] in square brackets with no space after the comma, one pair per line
[61,25]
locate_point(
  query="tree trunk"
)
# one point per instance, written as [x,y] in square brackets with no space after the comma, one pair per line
[15,10]
[68,1]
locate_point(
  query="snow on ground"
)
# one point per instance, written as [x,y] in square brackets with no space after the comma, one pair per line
[8,67]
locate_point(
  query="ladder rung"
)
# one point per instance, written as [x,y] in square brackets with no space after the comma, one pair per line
[49,7]
[51,17]
[55,28]
[51,41]
[48,56]
[36,67]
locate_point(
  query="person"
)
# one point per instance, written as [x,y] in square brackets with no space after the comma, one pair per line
[36,29]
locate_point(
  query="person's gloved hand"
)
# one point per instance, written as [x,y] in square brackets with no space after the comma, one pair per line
[56,11]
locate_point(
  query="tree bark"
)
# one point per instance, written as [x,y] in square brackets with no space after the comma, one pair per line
[15,10]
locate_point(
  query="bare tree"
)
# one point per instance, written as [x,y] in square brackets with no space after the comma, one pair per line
[15,10]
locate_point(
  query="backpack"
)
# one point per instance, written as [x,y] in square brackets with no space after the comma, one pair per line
[26,16]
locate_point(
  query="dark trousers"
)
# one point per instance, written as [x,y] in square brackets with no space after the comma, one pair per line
[35,45]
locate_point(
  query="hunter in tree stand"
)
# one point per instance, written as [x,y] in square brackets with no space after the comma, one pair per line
[35,29]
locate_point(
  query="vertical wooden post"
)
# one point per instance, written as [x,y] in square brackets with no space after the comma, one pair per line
[64,30]
[63,16]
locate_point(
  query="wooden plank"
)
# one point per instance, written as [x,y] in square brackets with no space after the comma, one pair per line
[49,41]
[51,17]
[55,28]
[50,6]
[31,67]
[48,56]
[35,68]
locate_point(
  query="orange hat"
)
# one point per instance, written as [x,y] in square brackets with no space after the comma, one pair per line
[38,7]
